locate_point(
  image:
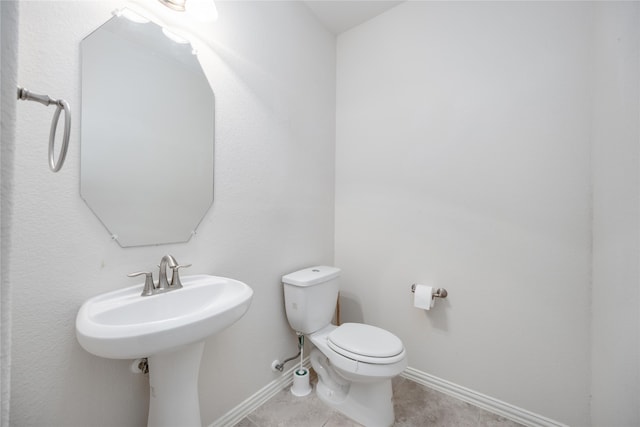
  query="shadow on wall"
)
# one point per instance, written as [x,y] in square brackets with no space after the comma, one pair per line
[437,316]
[350,309]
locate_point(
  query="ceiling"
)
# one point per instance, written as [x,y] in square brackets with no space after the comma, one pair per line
[340,15]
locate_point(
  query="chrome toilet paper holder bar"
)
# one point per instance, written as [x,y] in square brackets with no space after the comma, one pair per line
[438,293]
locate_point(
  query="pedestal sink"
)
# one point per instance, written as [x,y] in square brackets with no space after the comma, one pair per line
[169,329]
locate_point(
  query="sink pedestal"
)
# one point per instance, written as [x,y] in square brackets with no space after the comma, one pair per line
[168,329]
[173,384]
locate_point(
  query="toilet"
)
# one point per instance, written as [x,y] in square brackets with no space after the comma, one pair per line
[354,362]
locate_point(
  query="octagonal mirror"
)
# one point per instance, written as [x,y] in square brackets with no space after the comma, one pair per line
[147,133]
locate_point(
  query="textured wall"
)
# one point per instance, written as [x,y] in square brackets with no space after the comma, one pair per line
[272,69]
[463,157]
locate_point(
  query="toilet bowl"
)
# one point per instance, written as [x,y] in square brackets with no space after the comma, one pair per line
[357,380]
[354,362]
[361,352]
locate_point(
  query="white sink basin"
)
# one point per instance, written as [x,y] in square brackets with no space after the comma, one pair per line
[124,325]
[169,330]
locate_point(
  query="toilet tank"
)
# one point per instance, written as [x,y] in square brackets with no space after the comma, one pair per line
[310,297]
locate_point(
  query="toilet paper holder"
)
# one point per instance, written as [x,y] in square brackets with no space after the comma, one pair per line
[438,293]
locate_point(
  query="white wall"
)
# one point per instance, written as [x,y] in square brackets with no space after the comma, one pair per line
[463,158]
[273,72]
[615,344]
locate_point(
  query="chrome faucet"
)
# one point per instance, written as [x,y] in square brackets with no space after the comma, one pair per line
[163,285]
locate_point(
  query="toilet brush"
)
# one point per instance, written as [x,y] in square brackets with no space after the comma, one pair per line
[301,386]
[301,352]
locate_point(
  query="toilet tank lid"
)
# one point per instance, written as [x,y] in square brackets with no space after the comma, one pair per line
[311,276]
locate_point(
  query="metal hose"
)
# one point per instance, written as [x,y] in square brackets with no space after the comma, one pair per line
[280,366]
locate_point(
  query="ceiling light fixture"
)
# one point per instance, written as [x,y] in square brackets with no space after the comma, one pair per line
[131,15]
[200,10]
[178,5]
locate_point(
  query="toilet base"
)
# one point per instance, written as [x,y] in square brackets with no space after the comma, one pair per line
[369,404]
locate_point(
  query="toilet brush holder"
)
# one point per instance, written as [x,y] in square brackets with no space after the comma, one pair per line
[301,386]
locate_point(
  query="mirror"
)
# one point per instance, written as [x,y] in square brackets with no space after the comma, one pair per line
[147,134]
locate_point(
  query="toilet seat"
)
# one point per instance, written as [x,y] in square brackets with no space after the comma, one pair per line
[356,367]
[366,343]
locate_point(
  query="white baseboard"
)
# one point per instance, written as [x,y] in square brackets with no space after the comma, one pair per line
[234,416]
[480,400]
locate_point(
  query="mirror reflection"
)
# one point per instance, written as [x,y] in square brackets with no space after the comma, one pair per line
[147,133]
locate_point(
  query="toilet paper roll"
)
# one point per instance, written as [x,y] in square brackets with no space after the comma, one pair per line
[423,297]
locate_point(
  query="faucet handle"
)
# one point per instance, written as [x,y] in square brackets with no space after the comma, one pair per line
[175,277]
[148,282]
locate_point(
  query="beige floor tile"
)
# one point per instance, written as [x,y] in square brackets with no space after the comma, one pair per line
[414,405]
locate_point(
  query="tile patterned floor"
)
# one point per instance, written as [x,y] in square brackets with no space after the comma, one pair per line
[415,405]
